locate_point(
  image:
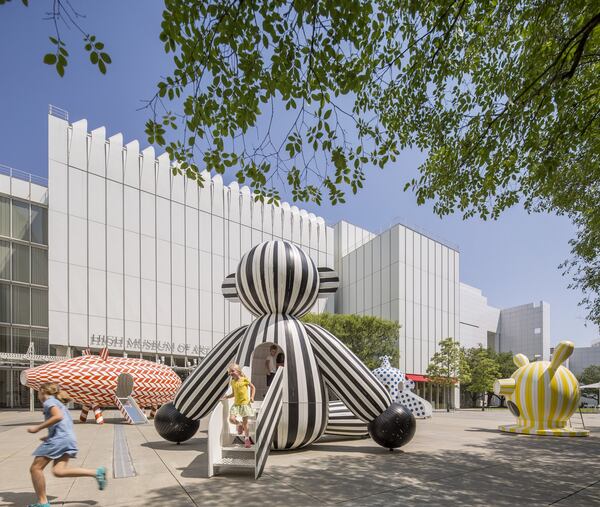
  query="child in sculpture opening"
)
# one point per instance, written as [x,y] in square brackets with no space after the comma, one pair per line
[271,364]
[60,445]
[241,409]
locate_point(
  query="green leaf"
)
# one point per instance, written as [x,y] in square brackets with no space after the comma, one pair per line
[50,58]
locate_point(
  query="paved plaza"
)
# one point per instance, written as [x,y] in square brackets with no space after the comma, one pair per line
[454,459]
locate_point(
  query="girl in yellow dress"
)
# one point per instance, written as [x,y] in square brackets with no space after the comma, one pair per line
[242,401]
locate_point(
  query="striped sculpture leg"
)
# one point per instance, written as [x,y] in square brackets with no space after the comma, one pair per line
[84,414]
[203,389]
[347,376]
[389,424]
[344,423]
[98,415]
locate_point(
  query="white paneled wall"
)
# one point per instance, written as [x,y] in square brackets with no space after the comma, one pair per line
[404,276]
[137,255]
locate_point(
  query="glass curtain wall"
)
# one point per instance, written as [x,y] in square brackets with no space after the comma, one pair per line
[23,289]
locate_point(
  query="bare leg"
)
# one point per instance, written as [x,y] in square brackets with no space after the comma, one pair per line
[61,469]
[233,420]
[246,427]
[37,477]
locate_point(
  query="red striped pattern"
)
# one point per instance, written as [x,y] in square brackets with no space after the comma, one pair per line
[92,381]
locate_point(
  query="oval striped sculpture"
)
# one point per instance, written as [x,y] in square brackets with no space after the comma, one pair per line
[278,283]
[542,395]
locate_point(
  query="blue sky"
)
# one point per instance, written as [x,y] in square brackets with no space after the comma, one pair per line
[513,260]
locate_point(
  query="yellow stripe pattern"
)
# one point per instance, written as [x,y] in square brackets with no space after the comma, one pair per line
[543,395]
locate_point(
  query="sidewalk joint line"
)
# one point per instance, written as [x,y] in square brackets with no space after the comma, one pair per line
[168,468]
[575,492]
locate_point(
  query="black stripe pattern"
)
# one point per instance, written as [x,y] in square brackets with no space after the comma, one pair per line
[277,277]
[343,422]
[229,289]
[304,414]
[346,375]
[203,389]
[267,421]
[329,281]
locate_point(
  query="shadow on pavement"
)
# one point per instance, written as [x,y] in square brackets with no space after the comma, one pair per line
[20,498]
[501,470]
[198,444]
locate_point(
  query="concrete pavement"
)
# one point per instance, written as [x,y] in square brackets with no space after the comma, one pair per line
[454,459]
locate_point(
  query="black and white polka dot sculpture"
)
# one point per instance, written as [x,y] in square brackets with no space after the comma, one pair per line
[278,282]
[400,389]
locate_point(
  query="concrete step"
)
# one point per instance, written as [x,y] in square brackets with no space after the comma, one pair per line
[237,448]
[235,462]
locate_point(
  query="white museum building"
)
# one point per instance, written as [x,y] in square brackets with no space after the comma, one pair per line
[113,250]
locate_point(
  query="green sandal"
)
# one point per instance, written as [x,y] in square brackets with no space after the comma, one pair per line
[101,477]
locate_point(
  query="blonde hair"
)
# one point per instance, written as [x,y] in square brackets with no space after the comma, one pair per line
[53,389]
[236,367]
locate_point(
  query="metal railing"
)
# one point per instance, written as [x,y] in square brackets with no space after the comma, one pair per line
[13,357]
[23,176]
[58,112]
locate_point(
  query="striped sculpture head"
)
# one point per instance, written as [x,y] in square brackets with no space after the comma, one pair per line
[278,277]
[542,395]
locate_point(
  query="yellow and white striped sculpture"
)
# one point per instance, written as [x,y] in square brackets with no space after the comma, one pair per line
[542,395]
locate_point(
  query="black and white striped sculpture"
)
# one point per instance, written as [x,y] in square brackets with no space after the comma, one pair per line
[278,283]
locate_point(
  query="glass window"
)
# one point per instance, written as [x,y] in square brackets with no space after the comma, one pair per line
[4,302]
[39,266]
[39,307]
[40,341]
[20,220]
[20,262]
[4,216]
[5,401]
[39,224]
[5,339]
[5,260]
[20,340]
[20,305]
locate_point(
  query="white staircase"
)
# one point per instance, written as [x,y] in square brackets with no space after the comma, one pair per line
[226,448]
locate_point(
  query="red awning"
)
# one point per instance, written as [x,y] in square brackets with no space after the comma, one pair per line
[423,378]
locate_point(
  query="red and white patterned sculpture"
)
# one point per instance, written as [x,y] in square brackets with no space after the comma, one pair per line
[92,382]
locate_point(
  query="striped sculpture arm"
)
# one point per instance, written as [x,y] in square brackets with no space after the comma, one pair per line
[203,389]
[347,376]
[266,423]
[200,393]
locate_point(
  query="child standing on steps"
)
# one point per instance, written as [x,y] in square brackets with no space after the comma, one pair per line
[60,445]
[242,401]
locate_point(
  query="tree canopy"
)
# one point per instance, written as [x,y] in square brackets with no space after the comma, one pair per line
[503,97]
[484,370]
[590,375]
[368,337]
[449,364]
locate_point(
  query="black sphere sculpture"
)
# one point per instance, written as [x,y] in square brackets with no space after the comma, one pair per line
[393,428]
[173,426]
